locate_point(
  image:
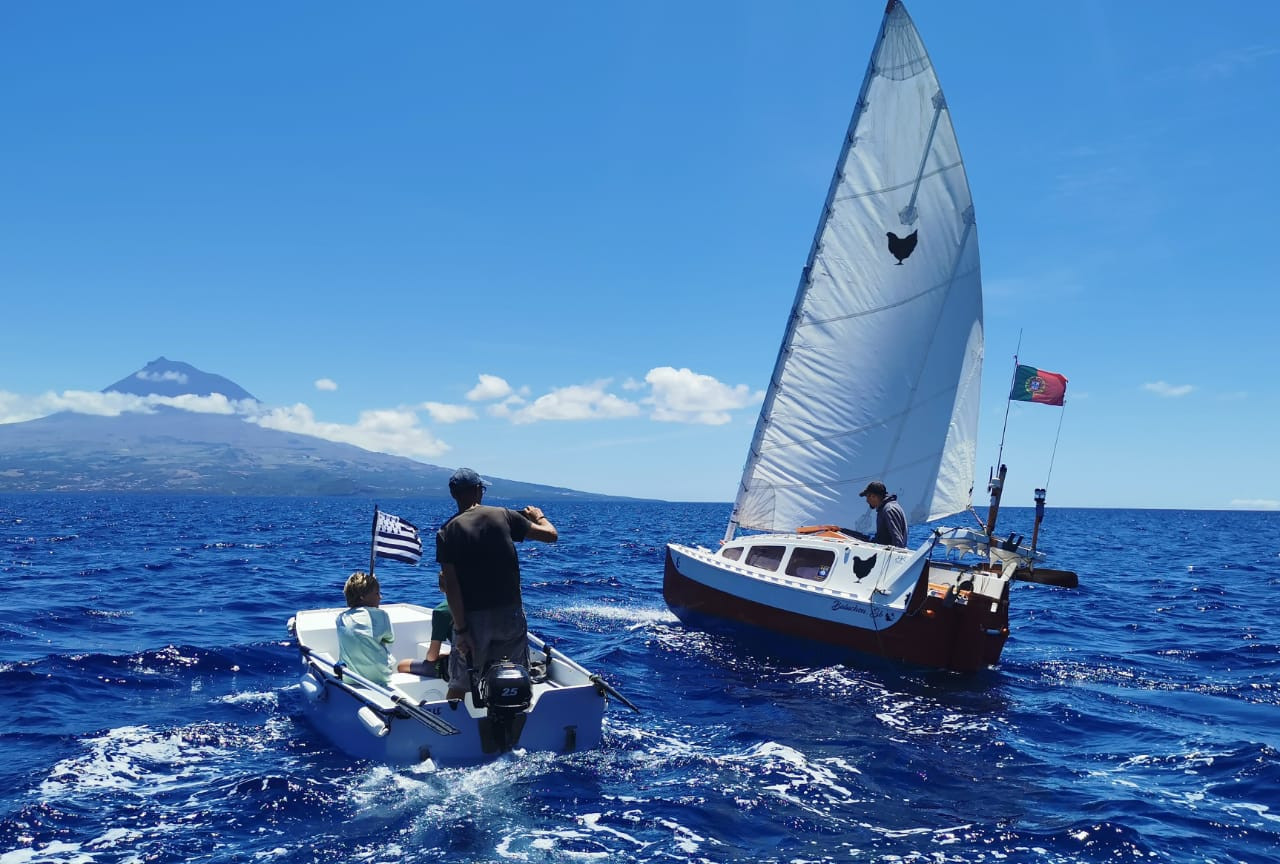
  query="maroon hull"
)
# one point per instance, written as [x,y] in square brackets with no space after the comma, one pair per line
[962,634]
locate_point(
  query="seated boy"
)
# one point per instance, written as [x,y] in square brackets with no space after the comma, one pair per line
[437,664]
[364,630]
[441,631]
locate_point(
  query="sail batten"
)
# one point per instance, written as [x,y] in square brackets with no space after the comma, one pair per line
[878,374]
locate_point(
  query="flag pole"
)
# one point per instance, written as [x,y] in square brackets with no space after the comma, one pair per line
[373,540]
[1008,399]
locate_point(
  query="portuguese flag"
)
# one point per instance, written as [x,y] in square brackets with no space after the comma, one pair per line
[1036,385]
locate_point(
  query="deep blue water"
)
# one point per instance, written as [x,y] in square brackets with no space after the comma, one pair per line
[151,711]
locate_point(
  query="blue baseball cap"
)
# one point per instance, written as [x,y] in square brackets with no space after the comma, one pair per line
[465,478]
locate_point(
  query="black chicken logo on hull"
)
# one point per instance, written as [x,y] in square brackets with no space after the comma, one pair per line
[902,247]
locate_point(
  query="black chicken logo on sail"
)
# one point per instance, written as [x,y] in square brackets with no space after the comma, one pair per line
[902,247]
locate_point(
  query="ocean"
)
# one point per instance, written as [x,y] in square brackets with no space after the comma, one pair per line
[152,711]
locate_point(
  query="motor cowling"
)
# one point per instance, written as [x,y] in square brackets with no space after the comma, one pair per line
[506,691]
[507,688]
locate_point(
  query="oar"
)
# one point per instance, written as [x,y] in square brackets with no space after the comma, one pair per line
[591,676]
[1047,576]
[608,688]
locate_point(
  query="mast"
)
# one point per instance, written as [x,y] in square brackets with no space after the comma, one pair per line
[1008,400]
[996,487]
[766,409]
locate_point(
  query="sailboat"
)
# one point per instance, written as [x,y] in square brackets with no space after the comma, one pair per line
[877,380]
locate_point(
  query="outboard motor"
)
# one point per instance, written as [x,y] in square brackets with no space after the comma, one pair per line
[506,691]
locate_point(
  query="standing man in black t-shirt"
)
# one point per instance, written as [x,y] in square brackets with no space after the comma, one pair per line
[481,577]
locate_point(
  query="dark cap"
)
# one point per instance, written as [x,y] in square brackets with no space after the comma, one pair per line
[465,478]
[875,487]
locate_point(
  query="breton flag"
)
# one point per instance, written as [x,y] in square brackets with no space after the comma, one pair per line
[1036,385]
[396,539]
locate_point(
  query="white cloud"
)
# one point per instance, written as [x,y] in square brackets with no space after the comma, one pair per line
[15,408]
[507,407]
[577,402]
[1254,504]
[490,387]
[392,431]
[442,412]
[675,395]
[171,375]
[1163,388]
[215,403]
[685,396]
[389,431]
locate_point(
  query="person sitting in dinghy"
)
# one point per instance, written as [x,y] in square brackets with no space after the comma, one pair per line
[364,631]
[437,663]
[891,522]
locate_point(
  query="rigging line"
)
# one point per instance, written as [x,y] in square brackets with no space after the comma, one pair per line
[1055,446]
[870,193]
[871,608]
[923,293]
[908,214]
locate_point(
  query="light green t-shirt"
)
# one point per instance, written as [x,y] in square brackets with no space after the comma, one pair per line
[364,632]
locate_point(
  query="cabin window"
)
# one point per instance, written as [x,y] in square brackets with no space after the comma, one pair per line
[812,564]
[733,553]
[765,557]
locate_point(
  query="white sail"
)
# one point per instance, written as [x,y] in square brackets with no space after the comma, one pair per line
[879,372]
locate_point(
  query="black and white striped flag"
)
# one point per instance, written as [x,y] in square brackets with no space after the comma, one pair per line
[396,539]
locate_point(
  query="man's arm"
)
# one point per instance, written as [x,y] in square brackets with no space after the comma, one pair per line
[540,527]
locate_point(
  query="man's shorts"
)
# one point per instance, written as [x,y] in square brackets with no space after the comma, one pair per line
[497,634]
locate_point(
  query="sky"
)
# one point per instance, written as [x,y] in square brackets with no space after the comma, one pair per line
[558,242]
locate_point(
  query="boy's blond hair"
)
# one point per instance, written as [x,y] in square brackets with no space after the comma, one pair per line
[358,586]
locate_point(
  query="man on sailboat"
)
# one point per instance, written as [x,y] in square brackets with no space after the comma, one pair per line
[891,522]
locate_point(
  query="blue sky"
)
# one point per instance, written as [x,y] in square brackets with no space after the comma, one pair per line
[558,242]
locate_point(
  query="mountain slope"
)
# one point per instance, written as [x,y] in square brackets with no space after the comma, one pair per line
[179,451]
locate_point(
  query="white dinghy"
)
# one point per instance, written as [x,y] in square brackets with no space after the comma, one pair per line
[555,706]
[877,379]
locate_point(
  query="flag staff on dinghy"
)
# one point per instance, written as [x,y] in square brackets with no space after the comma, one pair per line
[393,538]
